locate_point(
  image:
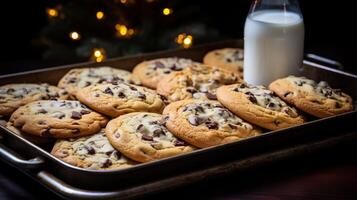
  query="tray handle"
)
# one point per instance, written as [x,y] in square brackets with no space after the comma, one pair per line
[323,60]
[71,192]
[15,159]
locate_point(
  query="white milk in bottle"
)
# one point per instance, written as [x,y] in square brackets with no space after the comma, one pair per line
[273,45]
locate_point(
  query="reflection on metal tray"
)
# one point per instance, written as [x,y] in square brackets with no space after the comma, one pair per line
[73,182]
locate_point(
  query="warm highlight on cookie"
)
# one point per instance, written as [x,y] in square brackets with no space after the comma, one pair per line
[143,137]
[57,119]
[317,99]
[114,99]
[13,96]
[206,123]
[227,58]
[152,71]
[196,82]
[82,77]
[259,106]
[91,152]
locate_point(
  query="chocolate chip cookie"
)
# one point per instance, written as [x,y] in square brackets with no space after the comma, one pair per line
[57,119]
[91,152]
[13,96]
[206,123]
[259,106]
[196,82]
[143,137]
[227,58]
[83,77]
[115,99]
[317,99]
[152,71]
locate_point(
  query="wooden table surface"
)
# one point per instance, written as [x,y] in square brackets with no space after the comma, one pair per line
[330,174]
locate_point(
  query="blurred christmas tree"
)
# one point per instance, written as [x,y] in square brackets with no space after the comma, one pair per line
[99,29]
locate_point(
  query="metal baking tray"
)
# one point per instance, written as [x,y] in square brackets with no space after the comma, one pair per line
[76,183]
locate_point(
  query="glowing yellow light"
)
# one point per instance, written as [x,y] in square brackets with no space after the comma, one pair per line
[131,31]
[123,1]
[122,29]
[100,15]
[98,54]
[180,38]
[184,40]
[166,11]
[51,12]
[74,35]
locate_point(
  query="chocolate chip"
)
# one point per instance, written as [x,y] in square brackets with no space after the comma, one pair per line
[167,72]
[72,80]
[211,96]
[76,115]
[108,153]
[133,88]
[10,90]
[159,64]
[211,124]
[287,94]
[337,105]
[42,111]
[194,120]
[102,80]
[276,122]
[191,90]
[117,154]
[232,126]
[229,60]
[243,85]
[107,163]
[108,91]
[140,127]
[90,150]
[198,108]
[97,95]
[158,132]
[236,90]
[117,135]
[121,95]
[179,143]
[175,68]
[41,122]
[142,96]
[251,97]
[87,84]
[147,137]
[84,112]
[271,105]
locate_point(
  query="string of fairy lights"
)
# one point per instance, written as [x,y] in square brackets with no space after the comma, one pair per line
[98,54]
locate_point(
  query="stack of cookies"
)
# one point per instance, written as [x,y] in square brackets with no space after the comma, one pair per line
[106,118]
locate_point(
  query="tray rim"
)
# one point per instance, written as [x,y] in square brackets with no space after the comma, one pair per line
[48,155]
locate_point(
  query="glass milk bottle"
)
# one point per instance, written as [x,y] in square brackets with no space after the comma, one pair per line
[273,41]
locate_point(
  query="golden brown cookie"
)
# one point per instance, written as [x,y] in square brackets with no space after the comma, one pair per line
[152,71]
[227,58]
[143,137]
[317,99]
[115,99]
[259,106]
[91,152]
[57,119]
[13,96]
[206,123]
[196,82]
[83,77]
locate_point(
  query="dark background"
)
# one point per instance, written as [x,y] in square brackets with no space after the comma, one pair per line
[327,175]
[328,25]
